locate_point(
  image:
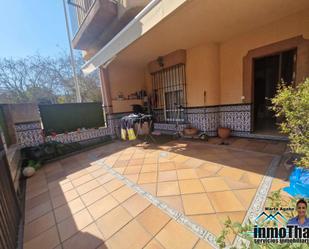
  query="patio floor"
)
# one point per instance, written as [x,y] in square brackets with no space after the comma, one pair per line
[127,196]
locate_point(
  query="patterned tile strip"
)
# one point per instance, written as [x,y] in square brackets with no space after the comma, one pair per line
[259,200]
[173,213]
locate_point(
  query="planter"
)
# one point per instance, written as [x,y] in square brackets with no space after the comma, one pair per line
[28,171]
[224,133]
[190,131]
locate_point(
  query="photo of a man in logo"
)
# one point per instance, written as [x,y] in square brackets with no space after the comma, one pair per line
[301,219]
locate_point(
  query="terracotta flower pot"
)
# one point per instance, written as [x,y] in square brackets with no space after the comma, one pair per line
[224,133]
[190,131]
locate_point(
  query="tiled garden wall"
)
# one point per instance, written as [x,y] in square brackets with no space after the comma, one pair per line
[208,119]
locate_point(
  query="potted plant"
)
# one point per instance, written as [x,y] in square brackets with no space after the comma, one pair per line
[224,133]
[190,131]
[31,167]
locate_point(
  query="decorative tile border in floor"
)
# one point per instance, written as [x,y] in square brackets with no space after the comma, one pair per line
[259,200]
[173,213]
[255,208]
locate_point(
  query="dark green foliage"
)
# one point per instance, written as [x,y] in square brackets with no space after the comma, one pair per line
[292,105]
[61,118]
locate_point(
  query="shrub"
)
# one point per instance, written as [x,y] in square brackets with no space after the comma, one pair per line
[292,105]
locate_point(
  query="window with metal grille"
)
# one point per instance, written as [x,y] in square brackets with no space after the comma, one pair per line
[169,97]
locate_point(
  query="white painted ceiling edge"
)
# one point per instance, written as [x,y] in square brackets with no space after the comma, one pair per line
[130,33]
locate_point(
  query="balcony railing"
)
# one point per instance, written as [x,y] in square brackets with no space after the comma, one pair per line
[78,12]
[83,9]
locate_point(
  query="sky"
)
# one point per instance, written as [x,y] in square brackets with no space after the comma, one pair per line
[29,27]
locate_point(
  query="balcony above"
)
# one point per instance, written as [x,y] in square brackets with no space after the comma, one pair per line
[93,18]
[99,21]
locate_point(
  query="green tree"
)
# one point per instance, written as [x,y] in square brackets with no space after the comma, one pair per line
[292,105]
[40,79]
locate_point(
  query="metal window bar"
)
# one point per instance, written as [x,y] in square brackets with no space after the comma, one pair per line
[10,213]
[169,88]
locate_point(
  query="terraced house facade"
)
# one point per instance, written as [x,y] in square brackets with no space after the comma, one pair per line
[205,63]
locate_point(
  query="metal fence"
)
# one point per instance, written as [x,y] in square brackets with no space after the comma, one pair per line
[3,126]
[10,213]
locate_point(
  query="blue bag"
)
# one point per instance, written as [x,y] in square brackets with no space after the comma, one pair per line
[299,183]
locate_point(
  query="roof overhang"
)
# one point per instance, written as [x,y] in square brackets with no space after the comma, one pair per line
[152,14]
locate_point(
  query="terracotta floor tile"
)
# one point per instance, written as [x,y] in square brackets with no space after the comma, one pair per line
[61,189]
[137,156]
[133,177]
[37,211]
[252,178]
[194,162]
[232,173]
[136,162]
[209,221]
[234,216]
[152,167]
[173,201]
[132,236]
[150,160]
[212,184]
[147,177]
[81,180]
[113,221]
[38,226]
[48,238]
[132,170]
[191,186]
[60,200]
[93,167]
[105,178]
[165,176]
[168,188]
[167,166]
[176,236]
[245,196]
[135,204]
[186,174]
[90,237]
[220,199]
[77,174]
[197,204]
[154,244]
[102,206]
[150,188]
[208,169]
[123,193]
[72,225]
[201,244]
[121,163]
[93,195]
[36,201]
[98,172]
[58,183]
[233,185]
[146,219]
[120,170]
[113,185]
[82,189]
[68,209]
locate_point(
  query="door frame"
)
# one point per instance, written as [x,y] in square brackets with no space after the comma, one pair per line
[279,54]
[301,70]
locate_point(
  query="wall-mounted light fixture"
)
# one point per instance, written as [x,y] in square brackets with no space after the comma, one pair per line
[160,61]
